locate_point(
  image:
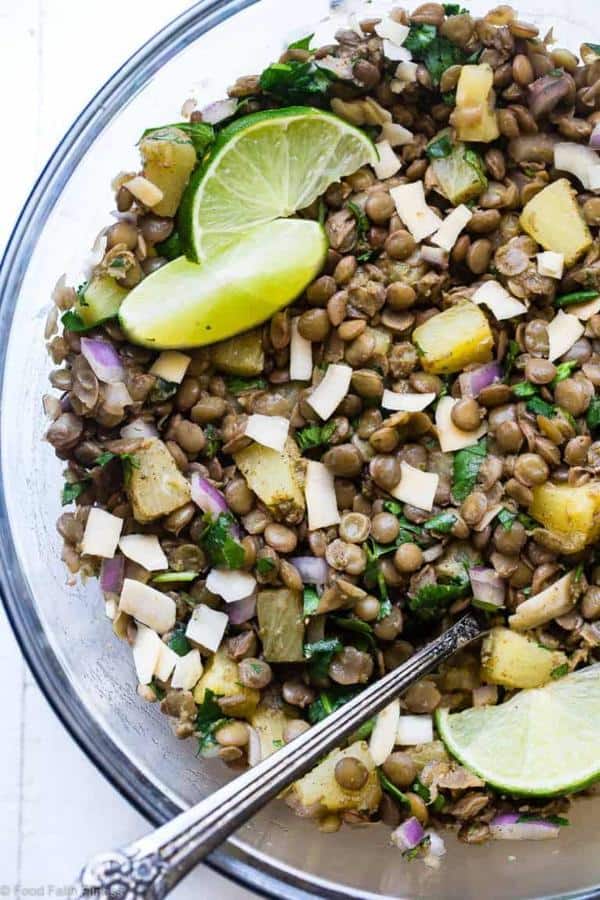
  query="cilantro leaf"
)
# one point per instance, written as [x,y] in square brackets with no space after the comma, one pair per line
[208,720]
[466,467]
[310,600]
[201,134]
[265,565]
[220,545]
[351,623]
[454,9]
[73,322]
[363,732]
[563,370]
[437,53]
[296,82]
[524,389]
[507,518]
[509,360]
[162,391]
[540,407]
[170,248]
[560,671]
[179,643]
[362,222]
[72,490]
[442,523]
[593,414]
[422,791]
[320,654]
[330,700]
[213,441]
[314,435]
[440,147]
[303,43]
[432,600]
[237,385]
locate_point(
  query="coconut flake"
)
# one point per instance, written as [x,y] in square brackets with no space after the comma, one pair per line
[207,627]
[407,402]
[270,431]
[488,517]
[414,730]
[146,652]
[328,395]
[419,218]
[143,190]
[549,604]
[319,491]
[147,605]
[396,135]
[301,364]
[586,310]
[498,300]
[230,584]
[593,174]
[171,366]
[447,234]
[416,487]
[102,533]
[388,163]
[450,437]
[383,736]
[550,264]
[563,331]
[394,53]
[187,671]
[391,30]
[167,660]
[145,550]
[576,159]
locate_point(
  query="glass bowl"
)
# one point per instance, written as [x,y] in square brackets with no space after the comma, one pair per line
[86,674]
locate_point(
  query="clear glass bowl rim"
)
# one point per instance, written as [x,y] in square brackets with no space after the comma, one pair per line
[255,873]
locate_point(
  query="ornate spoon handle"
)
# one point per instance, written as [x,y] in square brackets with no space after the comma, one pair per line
[152,866]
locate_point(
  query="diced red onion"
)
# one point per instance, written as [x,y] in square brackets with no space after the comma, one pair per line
[472,383]
[507,827]
[103,359]
[139,428]
[312,569]
[207,496]
[242,610]
[488,588]
[116,397]
[219,111]
[65,403]
[409,834]
[254,747]
[112,572]
[595,137]
[435,256]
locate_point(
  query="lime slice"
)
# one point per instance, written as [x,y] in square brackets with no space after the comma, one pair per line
[263,167]
[543,741]
[184,304]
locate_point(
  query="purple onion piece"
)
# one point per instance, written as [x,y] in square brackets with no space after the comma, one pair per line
[207,496]
[409,834]
[472,383]
[242,610]
[507,827]
[312,569]
[488,588]
[103,359]
[595,137]
[112,572]
[219,111]
[116,397]
[139,428]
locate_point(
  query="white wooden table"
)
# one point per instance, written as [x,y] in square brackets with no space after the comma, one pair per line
[56,809]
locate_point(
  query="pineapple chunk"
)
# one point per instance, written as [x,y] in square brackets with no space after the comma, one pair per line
[221,677]
[240,355]
[453,339]
[281,623]
[269,724]
[460,175]
[169,157]
[156,486]
[512,660]
[554,220]
[318,792]
[277,478]
[572,514]
[475,117]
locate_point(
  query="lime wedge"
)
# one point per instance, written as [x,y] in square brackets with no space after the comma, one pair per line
[542,742]
[184,304]
[266,166]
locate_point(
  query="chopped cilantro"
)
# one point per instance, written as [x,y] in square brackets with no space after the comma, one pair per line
[578,572]
[330,700]
[507,518]
[421,790]
[575,297]
[302,44]
[105,458]
[440,147]
[511,354]
[437,53]
[563,370]
[314,435]
[391,789]
[528,522]
[524,389]
[449,98]
[351,623]
[237,385]
[363,732]
[218,541]
[72,490]
[540,407]
[320,654]
[310,600]
[170,248]
[158,690]
[593,414]
[213,441]
[296,82]
[439,803]
[162,391]
[129,462]
[442,523]
[178,642]
[432,600]
[362,222]
[72,321]
[466,467]
[264,565]
[208,720]
[454,9]
[201,134]
[560,671]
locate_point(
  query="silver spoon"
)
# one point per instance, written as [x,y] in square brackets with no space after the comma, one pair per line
[151,867]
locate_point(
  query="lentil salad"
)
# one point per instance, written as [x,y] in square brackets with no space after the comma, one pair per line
[335,605]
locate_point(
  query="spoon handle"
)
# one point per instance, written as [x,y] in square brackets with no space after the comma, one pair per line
[151,867]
